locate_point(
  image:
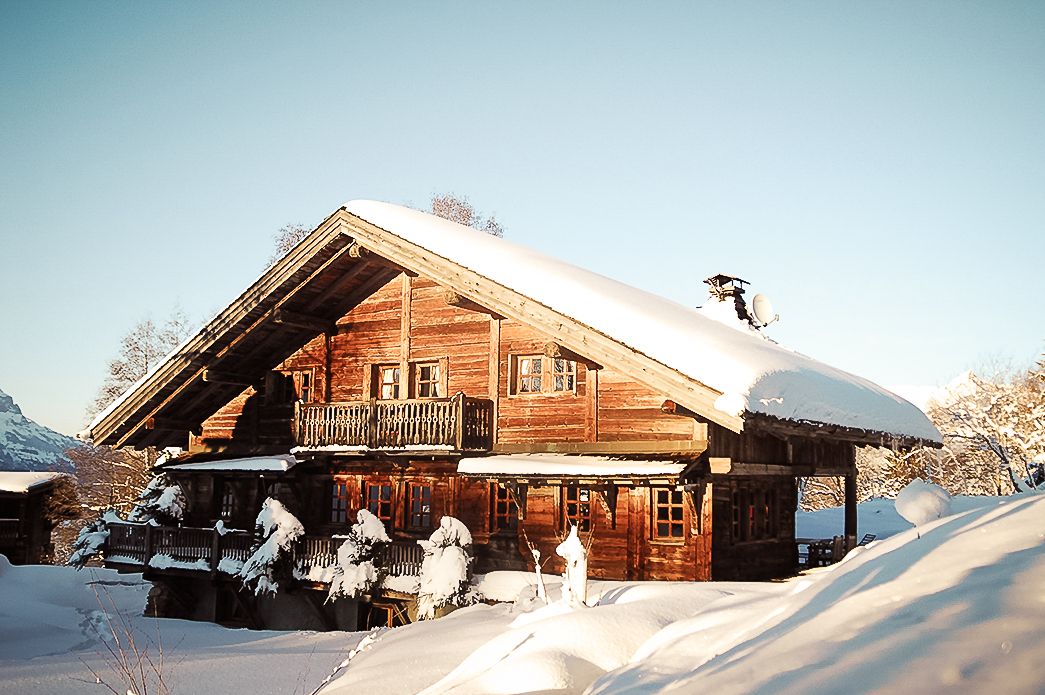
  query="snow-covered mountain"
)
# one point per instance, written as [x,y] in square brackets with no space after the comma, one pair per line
[29,446]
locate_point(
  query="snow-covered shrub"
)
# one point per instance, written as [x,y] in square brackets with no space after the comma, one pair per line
[575,575]
[272,558]
[161,502]
[445,568]
[356,573]
[921,502]
[92,540]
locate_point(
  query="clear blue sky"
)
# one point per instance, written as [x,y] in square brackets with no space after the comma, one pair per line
[878,169]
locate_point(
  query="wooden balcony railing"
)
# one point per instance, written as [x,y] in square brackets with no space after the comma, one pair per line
[204,549]
[460,423]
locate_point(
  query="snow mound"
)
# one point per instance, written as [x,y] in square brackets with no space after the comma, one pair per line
[921,502]
[951,607]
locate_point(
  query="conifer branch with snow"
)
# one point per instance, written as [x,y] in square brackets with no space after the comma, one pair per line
[356,572]
[272,558]
[445,569]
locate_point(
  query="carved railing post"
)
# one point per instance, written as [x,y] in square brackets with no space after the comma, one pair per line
[458,411]
[371,435]
[215,551]
[148,545]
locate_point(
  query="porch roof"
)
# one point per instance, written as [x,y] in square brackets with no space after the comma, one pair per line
[567,466]
[264,464]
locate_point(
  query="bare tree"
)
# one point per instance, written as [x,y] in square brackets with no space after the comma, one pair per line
[457,209]
[286,239]
[997,424]
[141,349]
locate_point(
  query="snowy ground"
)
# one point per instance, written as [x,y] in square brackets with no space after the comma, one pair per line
[956,605]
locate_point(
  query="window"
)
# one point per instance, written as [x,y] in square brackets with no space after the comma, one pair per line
[540,374]
[565,375]
[576,507]
[228,502]
[427,381]
[379,501]
[387,382]
[756,514]
[668,506]
[504,515]
[290,386]
[529,375]
[419,506]
[339,502]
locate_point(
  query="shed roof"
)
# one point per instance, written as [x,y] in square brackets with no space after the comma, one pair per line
[24,481]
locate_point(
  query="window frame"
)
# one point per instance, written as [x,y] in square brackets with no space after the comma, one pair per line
[425,520]
[389,521]
[656,504]
[547,372]
[338,501]
[583,519]
[300,382]
[438,383]
[378,384]
[504,512]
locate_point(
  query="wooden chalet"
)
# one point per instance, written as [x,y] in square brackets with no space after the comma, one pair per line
[25,524]
[402,363]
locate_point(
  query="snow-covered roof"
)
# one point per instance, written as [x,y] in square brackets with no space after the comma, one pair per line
[24,481]
[753,374]
[271,464]
[566,465]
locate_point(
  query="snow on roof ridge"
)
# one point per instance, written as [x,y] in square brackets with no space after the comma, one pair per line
[754,374]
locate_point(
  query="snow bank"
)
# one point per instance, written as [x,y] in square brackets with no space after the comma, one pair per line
[921,502]
[55,624]
[952,606]
[753,373]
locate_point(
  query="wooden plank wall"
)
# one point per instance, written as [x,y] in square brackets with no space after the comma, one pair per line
[606,406]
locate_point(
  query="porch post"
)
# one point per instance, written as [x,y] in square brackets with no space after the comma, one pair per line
[850,510]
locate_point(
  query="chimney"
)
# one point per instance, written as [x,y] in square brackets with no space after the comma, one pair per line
[726,287]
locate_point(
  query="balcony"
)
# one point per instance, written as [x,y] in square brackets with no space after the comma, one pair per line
[207,550]
[459,423]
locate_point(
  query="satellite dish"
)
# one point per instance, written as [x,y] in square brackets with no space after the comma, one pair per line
[763,310]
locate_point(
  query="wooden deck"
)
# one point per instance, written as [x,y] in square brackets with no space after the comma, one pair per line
[185,549]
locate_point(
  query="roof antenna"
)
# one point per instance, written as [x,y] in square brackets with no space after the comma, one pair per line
[762,308]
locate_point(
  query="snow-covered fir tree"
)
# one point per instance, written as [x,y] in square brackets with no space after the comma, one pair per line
[445,569]
[161,502]
[272,558]
[356,572]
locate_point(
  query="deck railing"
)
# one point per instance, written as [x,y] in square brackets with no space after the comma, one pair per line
[460,423]
[204,549]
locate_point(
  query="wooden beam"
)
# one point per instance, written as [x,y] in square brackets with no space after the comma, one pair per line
[682,447]
[552,349]
[163,423]
[318,324]
[725,466]
[217,376]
